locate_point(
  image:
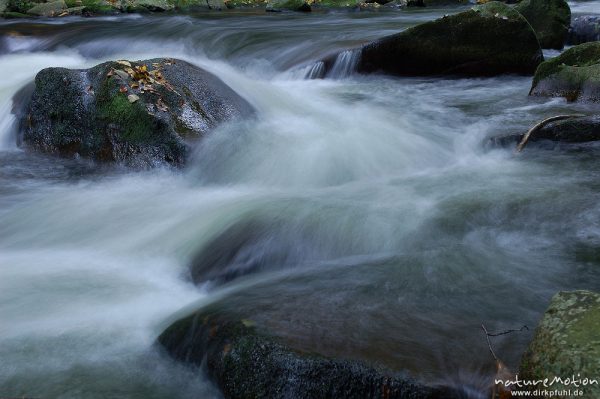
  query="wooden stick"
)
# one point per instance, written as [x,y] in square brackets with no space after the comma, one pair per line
[540,125]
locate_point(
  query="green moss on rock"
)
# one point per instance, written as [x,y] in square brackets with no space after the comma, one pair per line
[488,40]
[575,74]
[567,342]
[550,20]
[247,362]
[88,113]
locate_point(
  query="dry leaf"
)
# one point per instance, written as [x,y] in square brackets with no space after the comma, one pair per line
[123,89]
[161,105]
[123,62]
[132,98]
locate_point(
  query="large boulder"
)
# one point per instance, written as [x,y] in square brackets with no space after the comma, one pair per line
[567,344]
[247,362]
[550,20]
[584,29]
[488,40]
[575,74]
[140,114]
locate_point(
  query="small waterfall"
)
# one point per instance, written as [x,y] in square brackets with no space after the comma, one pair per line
[315,71]
[345,64]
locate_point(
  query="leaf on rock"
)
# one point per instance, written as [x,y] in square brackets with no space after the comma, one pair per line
[161,105]
[123,89]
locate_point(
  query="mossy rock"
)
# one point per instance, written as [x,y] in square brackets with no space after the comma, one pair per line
[575,74]
[105,114]
[151,5]
[247,362]
[490,39]
[290,5]
[550,20]
[49,9]
[567,343]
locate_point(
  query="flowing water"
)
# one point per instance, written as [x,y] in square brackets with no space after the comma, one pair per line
[402,231]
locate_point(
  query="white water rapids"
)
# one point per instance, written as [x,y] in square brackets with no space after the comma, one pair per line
[373,170]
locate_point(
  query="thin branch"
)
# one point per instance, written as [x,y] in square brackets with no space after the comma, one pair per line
[507,332]
[487,337]
[540,125]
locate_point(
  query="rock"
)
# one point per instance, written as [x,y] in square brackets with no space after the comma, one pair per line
[490,39]
[584,29]
[575,74]
[49,9]
[255,245]
[434,3]
[292,5]
[550,20]
[216,4]
[573,130]
[151,5]
[247,362]
[567,343]
[87,112]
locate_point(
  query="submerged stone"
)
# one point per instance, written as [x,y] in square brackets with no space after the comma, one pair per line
[490,39]
[567,344]
[247,362]
[88,112]
[575,74]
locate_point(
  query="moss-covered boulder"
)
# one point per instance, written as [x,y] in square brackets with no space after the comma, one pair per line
[550,20]
[488,40]
[247,362]
[49,9]
[140,114]
[575,74]
[567,344]
[291,5]
[584,29]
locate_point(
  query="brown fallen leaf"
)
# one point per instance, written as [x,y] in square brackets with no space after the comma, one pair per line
[161,105]
[123,89]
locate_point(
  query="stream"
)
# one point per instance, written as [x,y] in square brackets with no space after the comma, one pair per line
[402,229]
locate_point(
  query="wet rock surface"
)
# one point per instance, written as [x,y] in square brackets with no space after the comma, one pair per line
[567,343]
[490,39]
[575,74]
[247,362]
[139,114]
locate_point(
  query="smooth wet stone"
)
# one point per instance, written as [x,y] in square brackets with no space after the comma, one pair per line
[88,113]
[575,74]
[247,362]
[567,343]
[491,39]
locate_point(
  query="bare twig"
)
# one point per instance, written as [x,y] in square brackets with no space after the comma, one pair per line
[507,332]
[540,125]
[487,337]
